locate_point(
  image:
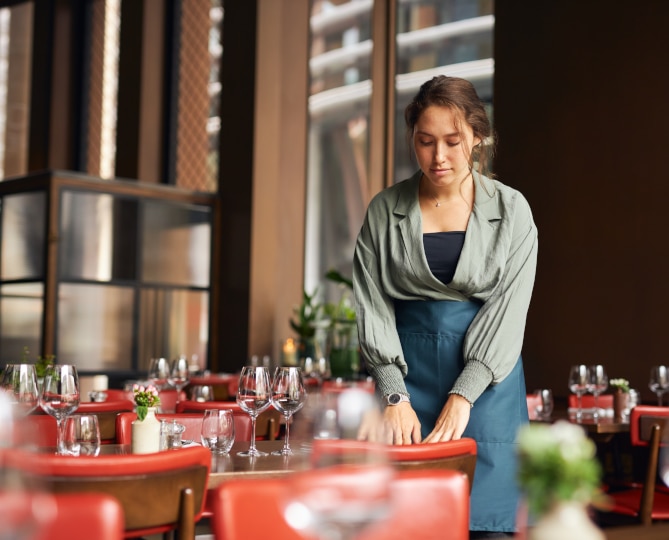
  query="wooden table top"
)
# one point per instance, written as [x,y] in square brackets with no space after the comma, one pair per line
[638,532]
[231,466]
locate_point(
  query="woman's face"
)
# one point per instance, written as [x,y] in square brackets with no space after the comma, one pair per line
[443,150]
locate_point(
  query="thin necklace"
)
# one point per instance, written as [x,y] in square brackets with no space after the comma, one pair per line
[436,201]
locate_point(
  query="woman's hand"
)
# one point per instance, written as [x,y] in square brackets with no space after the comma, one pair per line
[399,425]
[452,421]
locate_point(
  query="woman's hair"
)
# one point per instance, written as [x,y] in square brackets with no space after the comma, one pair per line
[460,96]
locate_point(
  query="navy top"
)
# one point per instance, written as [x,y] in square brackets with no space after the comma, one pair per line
[442,251]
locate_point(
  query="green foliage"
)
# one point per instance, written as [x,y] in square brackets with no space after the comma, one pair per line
[41,364]
[556,463]
[306,315]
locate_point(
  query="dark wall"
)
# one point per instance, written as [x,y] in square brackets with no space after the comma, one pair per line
[582,111]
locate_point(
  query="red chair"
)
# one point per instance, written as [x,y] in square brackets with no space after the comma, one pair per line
[533,401]
[35,430]
[267,423]
[605,401]
[71,516]
[426,505]
[106,412]
[646,502]
[158,492]
[192,422]
[169,398]
[83,516]
[459,455]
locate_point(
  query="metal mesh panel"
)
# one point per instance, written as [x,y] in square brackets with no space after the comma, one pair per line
[196,160]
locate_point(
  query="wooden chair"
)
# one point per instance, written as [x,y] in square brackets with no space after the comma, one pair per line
[605,401]
[64,516]
[267,423]
[106,412]
[192,422]
[533,401]
[649,427]
[459,455]
[159,492]
[426,504]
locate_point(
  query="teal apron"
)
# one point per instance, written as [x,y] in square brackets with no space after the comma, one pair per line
[432,334]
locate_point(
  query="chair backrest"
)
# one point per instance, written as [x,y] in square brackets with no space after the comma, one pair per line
[106,412]
[35,430]
[649,426]
[426,505]
[169,398]
[158,492]
[604,401]
[533,401]
[192,422]
[459,455]
[267,423]
[83,516]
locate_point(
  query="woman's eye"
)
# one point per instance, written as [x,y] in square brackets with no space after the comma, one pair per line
[453,143]
[425,143]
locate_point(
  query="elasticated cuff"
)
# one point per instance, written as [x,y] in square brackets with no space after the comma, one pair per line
[473,381]
[388,379]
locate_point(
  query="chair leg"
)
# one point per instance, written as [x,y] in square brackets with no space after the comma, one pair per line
[186,528]
[648,493]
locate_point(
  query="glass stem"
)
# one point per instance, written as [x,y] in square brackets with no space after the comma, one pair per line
[60,435]
[580,406]
[286,447]
[253,434]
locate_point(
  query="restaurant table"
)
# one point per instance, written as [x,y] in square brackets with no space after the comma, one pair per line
[638,532]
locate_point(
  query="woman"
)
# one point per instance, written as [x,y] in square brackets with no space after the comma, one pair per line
[443,274]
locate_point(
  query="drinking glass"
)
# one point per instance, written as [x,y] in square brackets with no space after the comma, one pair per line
[254,396]
[578,384]
[288,396]
[159,373]
[659,381]
[20,383]
[60,396]
[218,430]
[544,407]
[179,373]
[348,485]
[82,435]
[598,382]
[202,393]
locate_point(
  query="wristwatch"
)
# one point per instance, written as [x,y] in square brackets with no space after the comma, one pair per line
[396,398]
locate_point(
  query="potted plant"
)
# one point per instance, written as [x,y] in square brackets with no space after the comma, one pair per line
[343,332]
[559,474]
[308,318]
[621,392]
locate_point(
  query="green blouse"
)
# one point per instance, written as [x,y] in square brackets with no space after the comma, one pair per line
[497,267]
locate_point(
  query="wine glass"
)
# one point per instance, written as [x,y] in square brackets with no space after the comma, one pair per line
[348,485]
[578,384]
[544,406]
[288,396]
[179,373]
[159,373]
[598,382]
[659,381]
[254,396]
[60,397]
[20,383]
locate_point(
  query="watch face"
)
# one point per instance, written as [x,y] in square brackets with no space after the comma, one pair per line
[394,399]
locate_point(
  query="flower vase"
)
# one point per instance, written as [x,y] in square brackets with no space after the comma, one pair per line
[619,405]
[146,433]
[565,520]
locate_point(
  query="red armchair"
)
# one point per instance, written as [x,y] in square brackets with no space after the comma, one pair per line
[426,504]
[159,492]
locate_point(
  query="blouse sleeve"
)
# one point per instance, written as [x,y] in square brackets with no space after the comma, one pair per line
[494,339]
[379,342]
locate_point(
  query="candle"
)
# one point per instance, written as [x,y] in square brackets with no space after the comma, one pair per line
[289,353]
